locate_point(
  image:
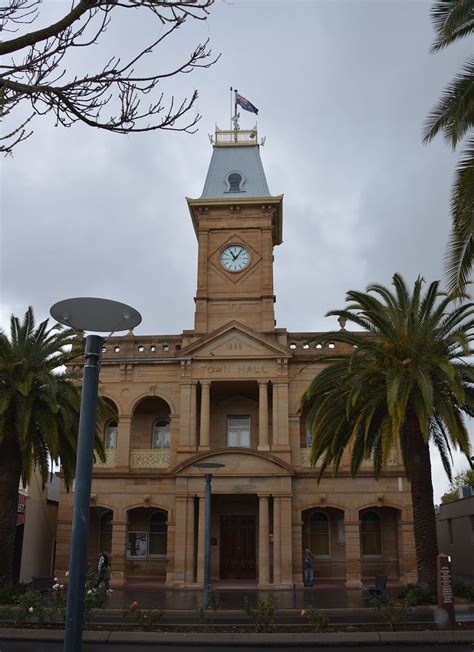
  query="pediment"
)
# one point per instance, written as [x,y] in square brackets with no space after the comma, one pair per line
[234,341]
[238,401]
[237,462]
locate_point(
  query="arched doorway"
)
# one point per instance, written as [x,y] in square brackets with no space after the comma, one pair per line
[147,542]
[323,533]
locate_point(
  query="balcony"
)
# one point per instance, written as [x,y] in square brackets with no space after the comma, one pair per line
[109,460]
[153,458]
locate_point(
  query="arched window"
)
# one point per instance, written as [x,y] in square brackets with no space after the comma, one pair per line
[110,435]
[371,534]
[158,534]
[161,434]
[319,534]
[105,532]
[234,182]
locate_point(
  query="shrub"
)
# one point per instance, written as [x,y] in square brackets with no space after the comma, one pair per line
[388,610]
[316,619]
[146,619]
[263,614]
[414,594]
[463,590]
[10,592]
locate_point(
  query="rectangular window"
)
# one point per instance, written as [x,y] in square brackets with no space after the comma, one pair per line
[157,543]
[309,438]
[450,531]
[238,432]
[137,544]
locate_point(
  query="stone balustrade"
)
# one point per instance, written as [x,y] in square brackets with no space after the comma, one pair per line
[109,460]
[153,458]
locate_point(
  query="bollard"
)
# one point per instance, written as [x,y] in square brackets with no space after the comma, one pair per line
[293,597]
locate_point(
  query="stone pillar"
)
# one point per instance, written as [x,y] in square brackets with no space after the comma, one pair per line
[263,416]
[353,556]
[263,543]
[298,552]
[201,534]
[118,553]
[281,439]
[407,552]
[63,546]
[184,417]
[205,414]
[286,548]
[276,541]
[192,417]
[122,458]
[180,540]
[190,550]
[170,546]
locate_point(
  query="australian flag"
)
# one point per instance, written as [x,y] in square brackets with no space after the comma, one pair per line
[245,104]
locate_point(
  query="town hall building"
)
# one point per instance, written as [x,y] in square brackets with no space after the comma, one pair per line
[227,393]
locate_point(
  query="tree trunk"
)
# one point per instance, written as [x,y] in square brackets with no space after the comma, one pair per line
[10,472]
[424,520]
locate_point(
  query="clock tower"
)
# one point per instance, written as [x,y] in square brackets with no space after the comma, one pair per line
[237,223]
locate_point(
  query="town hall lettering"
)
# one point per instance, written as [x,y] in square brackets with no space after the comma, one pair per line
[232,370]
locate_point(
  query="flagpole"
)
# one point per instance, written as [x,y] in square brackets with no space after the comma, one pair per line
[231,89]
[235,115]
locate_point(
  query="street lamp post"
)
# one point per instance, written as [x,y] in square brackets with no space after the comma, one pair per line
[100,315]
[207,527]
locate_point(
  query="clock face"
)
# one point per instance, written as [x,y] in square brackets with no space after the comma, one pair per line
[235,258]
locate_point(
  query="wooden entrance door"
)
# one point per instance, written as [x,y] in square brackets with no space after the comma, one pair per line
[238,548]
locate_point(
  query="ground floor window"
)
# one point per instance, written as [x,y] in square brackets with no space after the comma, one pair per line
[147,533]
[371,534]
[319,536]
[137,544]
[105,533]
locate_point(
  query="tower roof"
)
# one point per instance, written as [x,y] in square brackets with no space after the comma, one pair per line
[236,170]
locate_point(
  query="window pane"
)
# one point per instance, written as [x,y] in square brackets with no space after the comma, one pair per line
[161,434]
[111,436]
[238,431]
[239,422]
[157,544]
[319,534]
[137,544]
[371,534]
[105,534]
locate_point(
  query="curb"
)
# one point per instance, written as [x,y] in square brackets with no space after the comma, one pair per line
[247,639]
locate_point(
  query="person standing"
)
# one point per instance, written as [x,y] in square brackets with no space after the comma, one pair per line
[308,567]
[103,568]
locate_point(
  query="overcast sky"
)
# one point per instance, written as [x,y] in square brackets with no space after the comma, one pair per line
[343,89]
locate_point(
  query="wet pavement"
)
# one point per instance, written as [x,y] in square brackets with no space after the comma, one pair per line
[233,599]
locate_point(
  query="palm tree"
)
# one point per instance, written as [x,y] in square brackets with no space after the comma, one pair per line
[454,117]
[39,415]
[403,381]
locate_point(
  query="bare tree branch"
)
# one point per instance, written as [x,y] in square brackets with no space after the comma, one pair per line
[37,73]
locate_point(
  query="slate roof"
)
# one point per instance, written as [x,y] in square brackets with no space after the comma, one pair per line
[245,160]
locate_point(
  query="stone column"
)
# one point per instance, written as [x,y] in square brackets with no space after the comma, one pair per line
[285,533]
[263,542]
[190,550]
[184,417]
[281,438]
[122,458]
[353,557]
[180,540]
[298,552]
[205,414]
[201,534]
[118,553]
[276,541]
[63,546]
[192,417]
[263,416]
